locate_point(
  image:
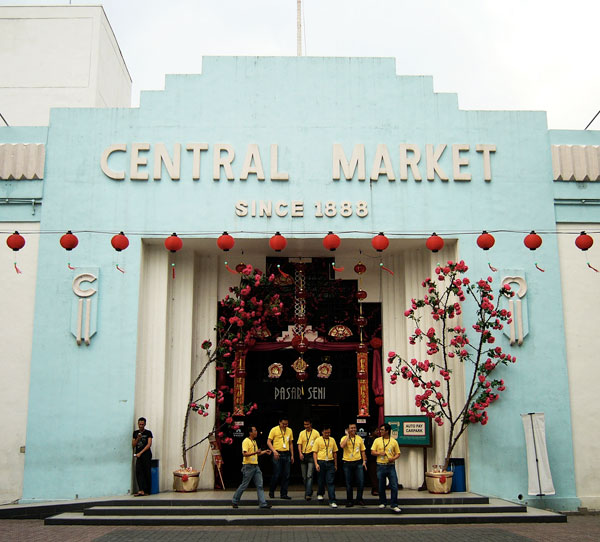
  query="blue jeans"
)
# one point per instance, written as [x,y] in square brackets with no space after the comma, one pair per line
[307,467]
[353,471]
[281,469]
[327,476]
[389,472]
[250,473]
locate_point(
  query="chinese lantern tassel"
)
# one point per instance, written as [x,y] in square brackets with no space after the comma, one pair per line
[592,267]
[173,269]
[492,267]
[230,270]
[70,266]
[386,269]
[283,273]
[337,269]
[19,272]
[123,270]
[539,268]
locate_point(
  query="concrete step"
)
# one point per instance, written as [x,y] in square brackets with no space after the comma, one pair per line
[425,499]
[274,518]
[291,510]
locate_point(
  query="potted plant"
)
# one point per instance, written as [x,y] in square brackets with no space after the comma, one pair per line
[447,342]
[243,315]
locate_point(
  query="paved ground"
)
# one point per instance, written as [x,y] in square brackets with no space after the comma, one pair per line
[578,528]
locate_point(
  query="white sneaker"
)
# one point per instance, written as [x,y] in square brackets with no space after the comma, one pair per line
[320,497]
[333,505]
[396,509]
[382,506]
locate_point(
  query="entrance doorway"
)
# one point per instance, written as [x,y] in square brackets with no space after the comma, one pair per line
[334,400]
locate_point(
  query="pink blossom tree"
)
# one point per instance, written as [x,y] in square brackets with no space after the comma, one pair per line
[243,316]
[448,342]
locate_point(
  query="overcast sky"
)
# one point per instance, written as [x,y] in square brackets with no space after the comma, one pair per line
[501,54]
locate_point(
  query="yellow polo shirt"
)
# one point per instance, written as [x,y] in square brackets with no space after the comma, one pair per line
[353,448]
[306,440]
[282,441]
[390,447]
[325,448]
[249,445]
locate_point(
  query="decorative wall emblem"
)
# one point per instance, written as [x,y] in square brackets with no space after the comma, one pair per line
[84,309]
[519,327]
[324,370]
[275,370]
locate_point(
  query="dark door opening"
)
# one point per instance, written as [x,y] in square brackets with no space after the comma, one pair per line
[333,401]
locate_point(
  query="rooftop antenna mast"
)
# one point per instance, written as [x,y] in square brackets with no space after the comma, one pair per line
[299,27]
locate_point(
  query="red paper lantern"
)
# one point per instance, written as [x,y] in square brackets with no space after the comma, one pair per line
[380,242]
[584,241]
[15,241]
[300,344]
[379,400]
[376,343]
[301,320]
[532,241]
[485,240]
[434,242]
[240,267]
[119,242]
[331,241]
[362,348]
[361,321]
[69,241]
[278,242]
[225,242]
[301,293]
[360,268]
[302,376]
[173,243]
[361,294]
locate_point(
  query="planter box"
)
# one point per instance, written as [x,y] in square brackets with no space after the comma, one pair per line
[439,482]
[186,482]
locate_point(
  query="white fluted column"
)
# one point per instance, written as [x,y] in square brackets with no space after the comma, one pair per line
[205,318]
[410,269]
[152,341]
[178,362]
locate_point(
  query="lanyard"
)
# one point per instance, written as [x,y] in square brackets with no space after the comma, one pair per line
[352,441]
[307,439]
[326,447]
[384,444]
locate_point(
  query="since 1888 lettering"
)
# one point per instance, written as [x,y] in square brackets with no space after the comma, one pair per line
[296,208]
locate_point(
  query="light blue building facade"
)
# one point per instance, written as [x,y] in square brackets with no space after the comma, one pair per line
[258,145]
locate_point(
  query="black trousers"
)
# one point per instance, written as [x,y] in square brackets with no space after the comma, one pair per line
[142,472]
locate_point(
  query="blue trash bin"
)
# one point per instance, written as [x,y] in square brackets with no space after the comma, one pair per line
[154,477]
[457,466]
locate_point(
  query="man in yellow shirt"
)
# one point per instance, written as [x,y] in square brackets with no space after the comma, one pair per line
[354,462]
[281,443]
[387,451]
[306,441]
[325,458]
[250,470]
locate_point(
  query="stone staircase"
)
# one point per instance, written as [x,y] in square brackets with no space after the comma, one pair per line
[190,509]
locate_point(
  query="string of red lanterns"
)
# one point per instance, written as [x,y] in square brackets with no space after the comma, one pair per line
[278,242]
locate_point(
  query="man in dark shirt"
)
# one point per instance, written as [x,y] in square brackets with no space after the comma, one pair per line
[141,443]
